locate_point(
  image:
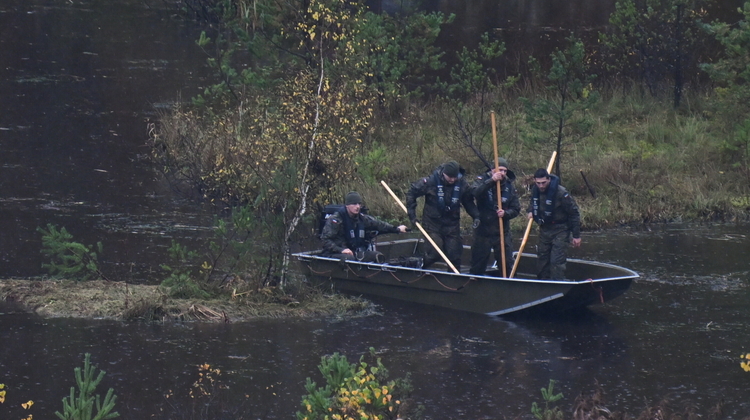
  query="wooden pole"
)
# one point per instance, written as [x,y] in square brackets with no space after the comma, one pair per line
[528,227]
[421,229]
[499,196]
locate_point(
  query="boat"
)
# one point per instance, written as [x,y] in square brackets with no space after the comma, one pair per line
[401,277]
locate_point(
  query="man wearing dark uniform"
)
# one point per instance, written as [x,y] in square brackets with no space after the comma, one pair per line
[444,192]
[559,220]
[347,234]
[487,235]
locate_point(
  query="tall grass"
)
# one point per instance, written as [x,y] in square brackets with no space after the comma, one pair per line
[645,161]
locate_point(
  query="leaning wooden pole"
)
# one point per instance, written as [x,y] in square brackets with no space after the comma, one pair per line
[499,195]
[421,229]
[528,227]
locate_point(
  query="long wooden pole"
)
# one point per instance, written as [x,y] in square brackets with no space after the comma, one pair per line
[421,229]
[499,195]
[528,227]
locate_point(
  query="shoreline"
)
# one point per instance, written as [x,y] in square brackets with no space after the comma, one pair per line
[113,300]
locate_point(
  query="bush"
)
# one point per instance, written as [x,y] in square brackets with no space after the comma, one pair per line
[81,407]
[356,391]
[69,259]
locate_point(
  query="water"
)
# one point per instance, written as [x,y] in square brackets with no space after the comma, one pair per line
[677,334]
[79,83]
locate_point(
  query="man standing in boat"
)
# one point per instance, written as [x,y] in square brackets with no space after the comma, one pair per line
[559,220]
[487,236]
[347,233]
[445,191]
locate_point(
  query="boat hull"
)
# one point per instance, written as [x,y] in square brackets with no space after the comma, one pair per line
[490,294]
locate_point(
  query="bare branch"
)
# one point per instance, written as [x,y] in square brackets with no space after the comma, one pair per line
[468,141]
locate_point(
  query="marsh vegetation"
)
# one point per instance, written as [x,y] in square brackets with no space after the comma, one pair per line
[649,119]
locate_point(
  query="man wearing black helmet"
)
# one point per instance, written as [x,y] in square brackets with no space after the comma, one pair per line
[347,233]
[444,192]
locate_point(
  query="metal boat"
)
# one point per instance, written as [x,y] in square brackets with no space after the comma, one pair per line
[401,277]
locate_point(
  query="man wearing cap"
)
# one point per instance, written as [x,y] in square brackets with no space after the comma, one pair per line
[347,233]
[559,220]
[487,235]
[445,191]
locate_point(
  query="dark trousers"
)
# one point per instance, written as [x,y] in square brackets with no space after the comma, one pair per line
[551,249]
[448,238]
[484,246]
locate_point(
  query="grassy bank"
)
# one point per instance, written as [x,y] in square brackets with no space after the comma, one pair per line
[643,161]
[639,161]
[119,300]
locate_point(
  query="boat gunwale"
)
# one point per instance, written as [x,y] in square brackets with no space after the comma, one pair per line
[314,255]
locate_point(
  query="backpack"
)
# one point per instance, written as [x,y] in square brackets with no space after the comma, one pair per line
[328,211]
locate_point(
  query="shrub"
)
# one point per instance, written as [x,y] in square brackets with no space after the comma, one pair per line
[355,391]
[69,259]
[550,412]
[180,282]
[81,407]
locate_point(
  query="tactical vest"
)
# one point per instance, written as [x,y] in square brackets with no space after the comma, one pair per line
[547,216]
[454,205]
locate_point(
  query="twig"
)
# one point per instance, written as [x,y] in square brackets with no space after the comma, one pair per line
[468,142]
[592,191]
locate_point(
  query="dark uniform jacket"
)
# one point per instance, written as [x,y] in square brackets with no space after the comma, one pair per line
[437,213]
[564,212]
[484,190]
[336,237]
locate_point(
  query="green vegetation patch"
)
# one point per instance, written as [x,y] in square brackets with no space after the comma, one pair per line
[119,300]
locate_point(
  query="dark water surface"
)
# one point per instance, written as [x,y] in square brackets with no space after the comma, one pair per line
[79,82]
[677,334]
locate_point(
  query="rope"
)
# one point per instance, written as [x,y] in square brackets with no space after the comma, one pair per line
[319,273]
[451,288]
[349,268]
[598,289]
[393,274]
[407,282]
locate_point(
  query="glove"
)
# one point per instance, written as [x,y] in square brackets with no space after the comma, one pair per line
[414,222]
[475,224]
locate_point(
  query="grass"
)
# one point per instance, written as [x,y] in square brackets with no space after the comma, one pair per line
[122,301]
[645,161]
[632,159]
[592,406]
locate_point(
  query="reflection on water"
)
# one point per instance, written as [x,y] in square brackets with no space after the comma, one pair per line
[676,334]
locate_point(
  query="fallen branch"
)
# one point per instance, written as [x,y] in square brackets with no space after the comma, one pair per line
[586,181]
[205,312]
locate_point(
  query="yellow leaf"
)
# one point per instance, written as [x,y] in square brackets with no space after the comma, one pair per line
[27,405]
